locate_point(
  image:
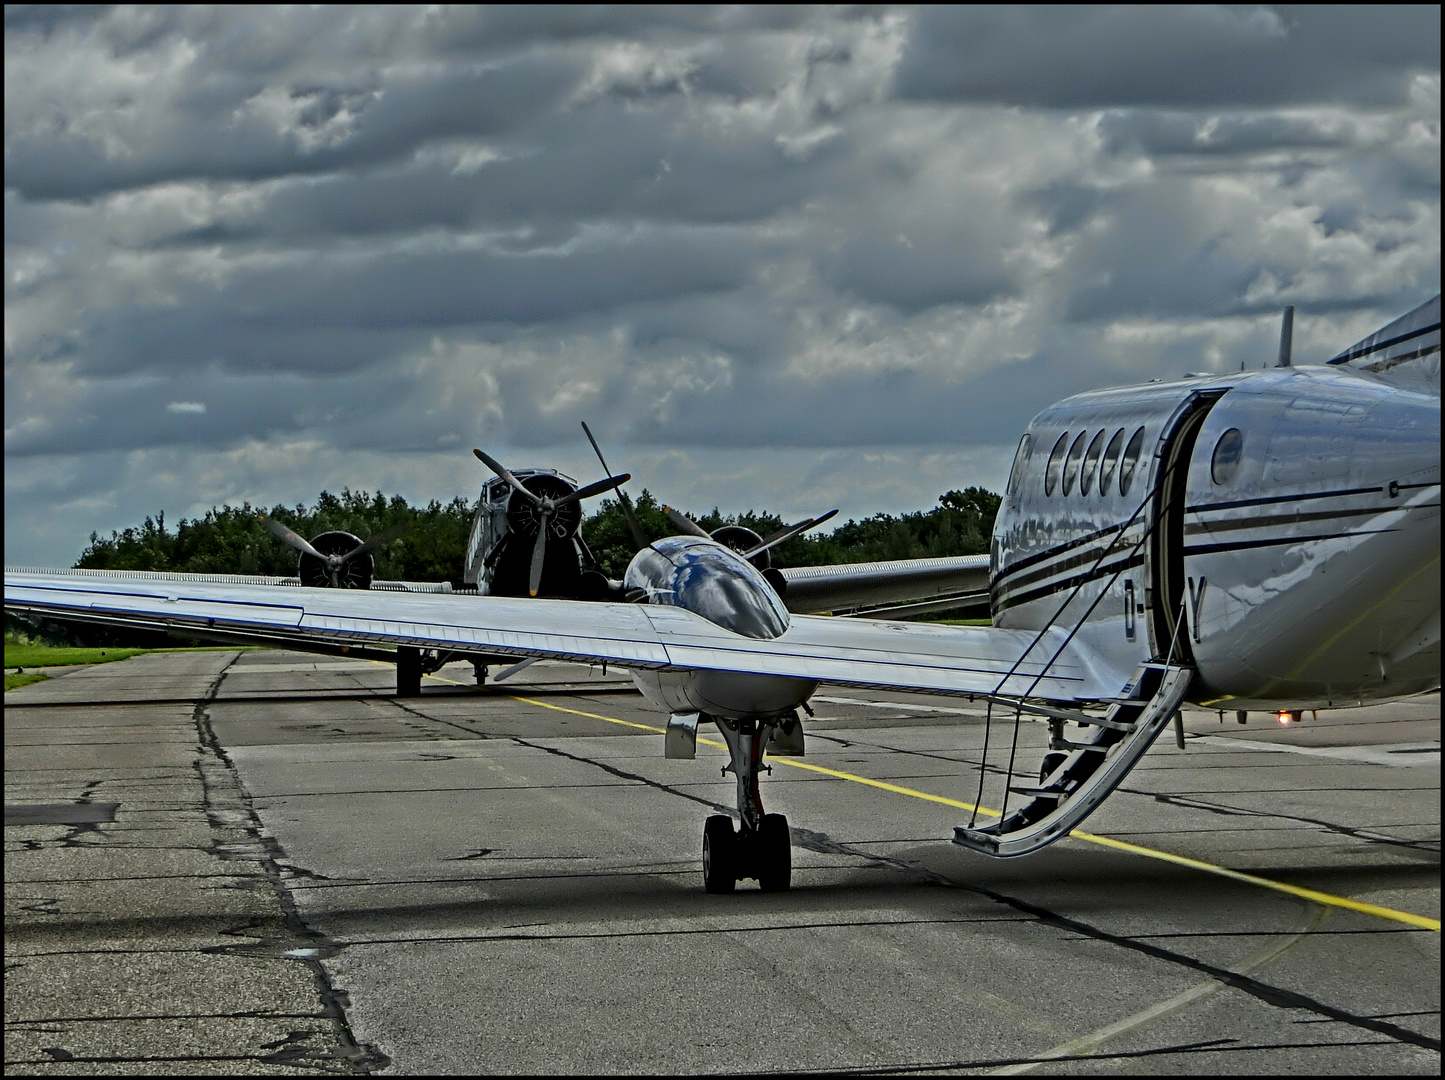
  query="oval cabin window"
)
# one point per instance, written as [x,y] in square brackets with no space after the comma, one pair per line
[1111,461]
[1056,464]
[1021,458]
[1071,464]
[1091,463]
[1227,452]
[1130,461]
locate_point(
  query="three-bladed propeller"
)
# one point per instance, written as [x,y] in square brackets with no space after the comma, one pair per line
[335,564]
[639,538]
[546,508]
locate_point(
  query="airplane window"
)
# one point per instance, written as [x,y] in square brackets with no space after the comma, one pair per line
[1071,466]
[1131,459]
[1226,456]
[1091,462]
[1111,458]
[1020,458]
[1056,464]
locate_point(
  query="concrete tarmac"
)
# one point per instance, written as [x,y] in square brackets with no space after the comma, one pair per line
[266,862]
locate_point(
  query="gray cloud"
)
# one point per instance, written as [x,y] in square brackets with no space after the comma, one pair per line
[1204,55]
[773,254]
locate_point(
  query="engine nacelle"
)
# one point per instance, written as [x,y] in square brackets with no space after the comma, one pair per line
[740,538]
[355,573]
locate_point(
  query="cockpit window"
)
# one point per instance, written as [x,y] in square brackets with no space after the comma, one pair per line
[1111,459]
[1091,462]
[1056,464]
[1227,452]
[1131,459]
[1071,464]
[1020,463]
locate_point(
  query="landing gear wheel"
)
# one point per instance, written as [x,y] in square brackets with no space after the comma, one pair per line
[1051,762]
[774,854]
[719,854]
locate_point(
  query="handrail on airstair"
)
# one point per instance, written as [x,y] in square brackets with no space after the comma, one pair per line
[1086,776]
[1083,776]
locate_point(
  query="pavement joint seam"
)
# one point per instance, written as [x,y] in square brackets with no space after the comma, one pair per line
[1270,995]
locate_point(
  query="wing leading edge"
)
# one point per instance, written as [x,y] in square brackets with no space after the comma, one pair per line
[860,653]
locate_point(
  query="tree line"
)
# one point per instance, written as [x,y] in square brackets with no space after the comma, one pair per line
[233,540]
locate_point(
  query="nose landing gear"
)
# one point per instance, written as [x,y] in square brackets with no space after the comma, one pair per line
[761,848]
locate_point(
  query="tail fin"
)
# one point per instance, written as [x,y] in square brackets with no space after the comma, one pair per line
[1404,353]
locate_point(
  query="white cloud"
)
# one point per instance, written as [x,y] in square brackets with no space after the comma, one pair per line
[777,258]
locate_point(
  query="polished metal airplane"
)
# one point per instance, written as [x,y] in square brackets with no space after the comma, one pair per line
[1264,540]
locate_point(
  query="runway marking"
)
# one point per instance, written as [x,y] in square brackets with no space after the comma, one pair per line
[1376,755]
[1327,899]
[1308,921]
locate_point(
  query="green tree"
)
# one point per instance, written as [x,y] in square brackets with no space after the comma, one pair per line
[432,545]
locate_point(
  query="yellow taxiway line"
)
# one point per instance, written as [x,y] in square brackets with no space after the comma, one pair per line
[1313,895]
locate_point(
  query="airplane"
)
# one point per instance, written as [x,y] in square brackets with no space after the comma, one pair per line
[1260,540]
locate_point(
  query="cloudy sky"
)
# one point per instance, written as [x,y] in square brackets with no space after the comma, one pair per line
[776,257]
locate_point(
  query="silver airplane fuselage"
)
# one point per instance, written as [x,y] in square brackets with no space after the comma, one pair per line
[1277,530]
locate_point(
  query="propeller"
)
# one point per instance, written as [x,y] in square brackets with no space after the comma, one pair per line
[686,524]
[547,507]
[787,534]
[298,542]
[334,563]
[639,538]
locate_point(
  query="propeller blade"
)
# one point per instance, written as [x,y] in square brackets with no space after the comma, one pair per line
[639,538]
[508,672]
[686,524]
[299,543]
[497,467]
[371,543]
[594,489]
[539,554]
[787,534]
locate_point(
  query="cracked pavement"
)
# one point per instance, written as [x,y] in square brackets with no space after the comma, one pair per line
[270,864]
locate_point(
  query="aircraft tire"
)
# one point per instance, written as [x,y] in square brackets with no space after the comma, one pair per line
[719,855]
[774,852]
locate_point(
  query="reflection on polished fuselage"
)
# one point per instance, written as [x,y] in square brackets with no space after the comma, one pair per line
[1279,530]
[705,577]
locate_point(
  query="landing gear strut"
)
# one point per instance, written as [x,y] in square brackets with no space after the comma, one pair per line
[761,849]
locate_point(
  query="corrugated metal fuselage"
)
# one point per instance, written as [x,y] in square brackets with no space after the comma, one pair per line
[1278,529]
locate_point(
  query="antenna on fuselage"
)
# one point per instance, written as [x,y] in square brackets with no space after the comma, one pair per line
[1286,337]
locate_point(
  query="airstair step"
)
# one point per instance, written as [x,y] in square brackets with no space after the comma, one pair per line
[1065,744]
[1040,792]
[1086,780]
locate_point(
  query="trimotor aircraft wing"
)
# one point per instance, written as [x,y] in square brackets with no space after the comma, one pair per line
[863,653]
[894,587]
[1404,353]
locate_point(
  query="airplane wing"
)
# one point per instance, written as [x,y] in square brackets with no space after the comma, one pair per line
[1404,353]
[861,653]
[232,579]
[889,588]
